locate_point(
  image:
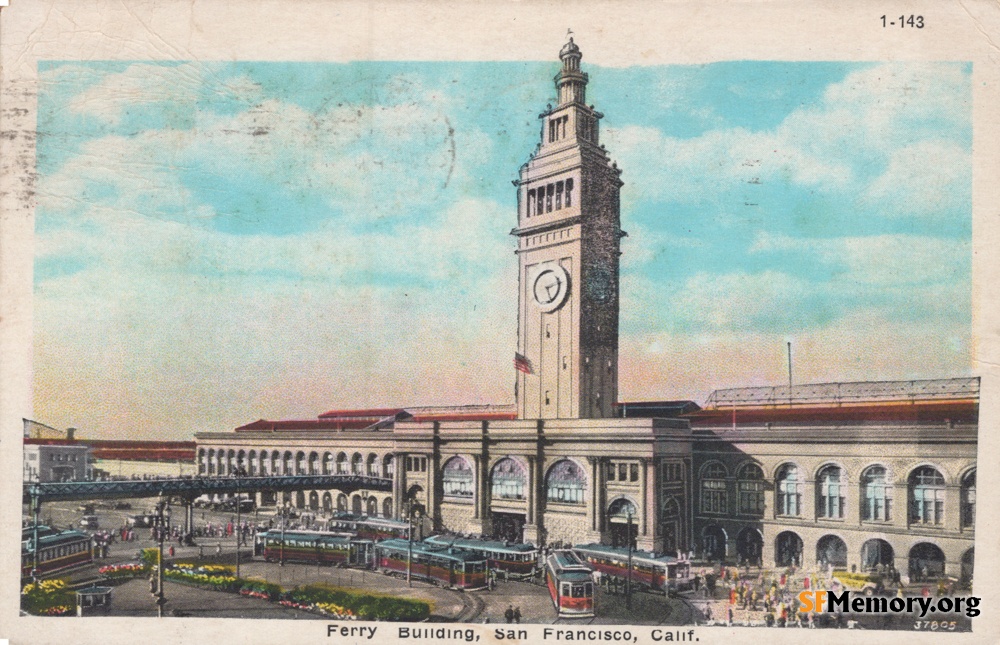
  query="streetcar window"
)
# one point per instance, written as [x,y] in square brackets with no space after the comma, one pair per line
[588,589]
[565,589]
[578,591]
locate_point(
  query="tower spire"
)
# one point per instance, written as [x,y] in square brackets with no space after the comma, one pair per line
[571,82]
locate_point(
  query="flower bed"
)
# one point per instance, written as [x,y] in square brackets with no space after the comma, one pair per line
[207,580]
[340,603]
[47,598]
[125,571]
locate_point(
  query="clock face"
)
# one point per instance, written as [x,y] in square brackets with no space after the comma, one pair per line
[550,286]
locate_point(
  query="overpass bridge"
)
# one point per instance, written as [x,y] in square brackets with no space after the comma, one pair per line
[190,488]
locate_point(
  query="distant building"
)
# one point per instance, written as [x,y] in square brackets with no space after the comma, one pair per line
[56,460]
[46,448]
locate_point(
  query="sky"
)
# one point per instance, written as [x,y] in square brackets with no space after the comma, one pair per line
[221,242]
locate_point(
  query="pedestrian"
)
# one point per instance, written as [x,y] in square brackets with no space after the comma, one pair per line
[218,549]
[201,551]
[517,615]
[171,550]
[509,614]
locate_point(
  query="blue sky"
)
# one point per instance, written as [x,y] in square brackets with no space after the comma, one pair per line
[220,242]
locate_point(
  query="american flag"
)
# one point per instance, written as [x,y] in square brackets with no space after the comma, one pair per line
[522,364]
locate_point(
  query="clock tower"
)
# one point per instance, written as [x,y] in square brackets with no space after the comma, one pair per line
[568,232]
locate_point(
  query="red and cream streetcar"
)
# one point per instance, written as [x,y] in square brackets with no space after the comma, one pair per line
[571,586]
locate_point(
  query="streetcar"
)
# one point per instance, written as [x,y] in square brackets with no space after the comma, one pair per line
[660,573]
[570,584]
[518,560]
[316,547]
[436,564]
[344,521]
[57,550]
[381,528]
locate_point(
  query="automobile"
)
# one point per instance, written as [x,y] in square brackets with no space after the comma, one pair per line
[90,522]
[140,521]
[120,505]
[86,509]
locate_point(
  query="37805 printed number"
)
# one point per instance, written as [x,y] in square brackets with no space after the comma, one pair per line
[917,22]
[935,625]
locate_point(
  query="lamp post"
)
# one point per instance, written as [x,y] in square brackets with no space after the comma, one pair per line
[409,543]
[239,517]
[284,515]
[162,525]
[628,538]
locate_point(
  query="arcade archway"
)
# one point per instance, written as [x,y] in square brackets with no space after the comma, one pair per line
[788,549]
[749,546]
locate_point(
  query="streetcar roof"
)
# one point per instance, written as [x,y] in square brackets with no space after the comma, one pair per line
[55,539]
[476,543]
[618,552]
[566,560]
[421,548]
[309,535]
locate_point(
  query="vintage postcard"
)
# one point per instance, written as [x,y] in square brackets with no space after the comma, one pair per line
[498,322]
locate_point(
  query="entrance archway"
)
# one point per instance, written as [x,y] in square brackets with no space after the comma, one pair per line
[327,502]
[508,527]
[622,520]
[300,499]
[314,501]
[876,552]
[787,549]
[926,562]
[968,560]
[749,546]
[830,549]
[713,543]
[356,506]
[341,502]
[670,518]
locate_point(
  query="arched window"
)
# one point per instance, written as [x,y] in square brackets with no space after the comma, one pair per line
[342,464]
[830,499]
[372,463]
[327,463]
[341,502]
[252,463]
[713,489]
[750,487]
[211,461]
[507,479]
[566,483]
[387,507]
[388,466]
[876,495]
[788,491]
[927,489]
[314,463]
[286,467]
[358,464]
[300,463]
[457,478]
[969,500]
